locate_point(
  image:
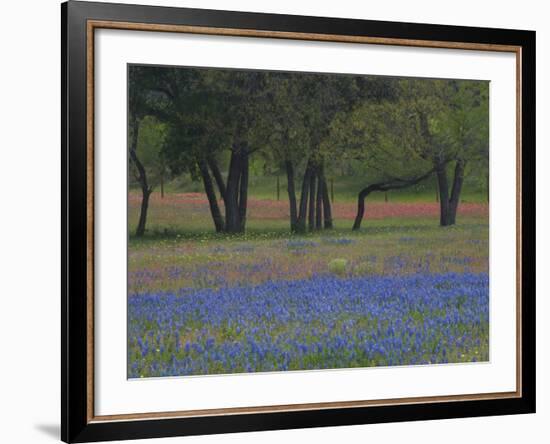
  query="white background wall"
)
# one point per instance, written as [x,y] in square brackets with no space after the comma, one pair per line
[30,221]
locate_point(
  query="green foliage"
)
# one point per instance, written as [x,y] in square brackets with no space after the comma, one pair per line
[365,128]
[152,135]
[281,128]
[338,266]
[151,139]
[427,122]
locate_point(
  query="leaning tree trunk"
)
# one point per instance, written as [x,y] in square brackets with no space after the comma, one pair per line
[361,206]
[217,177]
[458,180]
[146,190]
[140,231]
[217,217]
[383,186]
[291,194]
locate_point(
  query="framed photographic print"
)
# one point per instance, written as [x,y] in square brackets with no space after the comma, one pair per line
[276,221]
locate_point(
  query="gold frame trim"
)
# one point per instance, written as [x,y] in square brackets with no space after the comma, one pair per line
[91,26]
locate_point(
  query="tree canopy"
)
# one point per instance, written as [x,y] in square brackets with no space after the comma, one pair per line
[391,132]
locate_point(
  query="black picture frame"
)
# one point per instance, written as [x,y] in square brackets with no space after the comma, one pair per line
[76,424]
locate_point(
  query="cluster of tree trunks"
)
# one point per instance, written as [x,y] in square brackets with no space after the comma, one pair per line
[314,211]
[234,192]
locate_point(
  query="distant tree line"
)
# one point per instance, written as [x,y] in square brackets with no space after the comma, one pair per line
[394,132]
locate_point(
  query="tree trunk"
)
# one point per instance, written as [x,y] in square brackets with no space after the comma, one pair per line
[327,211]
[211,195]
[361,206]
[140,230]
[291,194]
[236,191]
[458,180]
[141,177]
[443,195]
[301,222]
[243,192]
[217,176]
[383,186]
[232,224]
[278,189]
[319,204]
[311,209]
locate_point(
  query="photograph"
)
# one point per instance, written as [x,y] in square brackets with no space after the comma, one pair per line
[279,221]
[282,221]
[294,221]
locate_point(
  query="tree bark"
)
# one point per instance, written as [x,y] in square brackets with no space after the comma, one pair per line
[141,177]
[211,195]
[140,231]
[449,204]
[236,190]
[319,204]
[443,187]
[361,205]
[301,222]
[458,180]
[289,167]
[232,224]
[327,210]
[217,176]
[311,209]
[243,192]
[383,186]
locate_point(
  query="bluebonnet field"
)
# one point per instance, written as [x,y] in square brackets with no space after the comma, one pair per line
[407,293]
[325,322]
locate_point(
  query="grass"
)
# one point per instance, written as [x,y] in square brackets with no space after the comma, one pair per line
[345,190]
[187,215]
[153,260]
[402,290]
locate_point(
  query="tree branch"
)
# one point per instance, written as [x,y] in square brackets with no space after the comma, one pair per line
[384,186]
